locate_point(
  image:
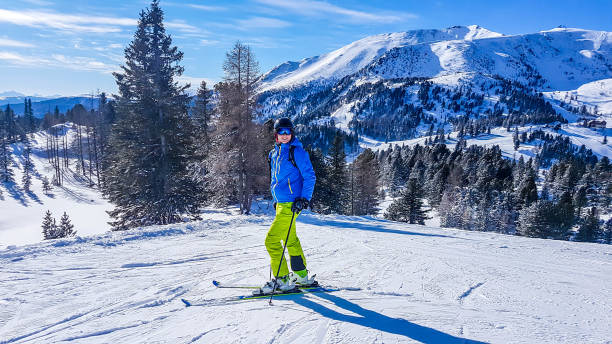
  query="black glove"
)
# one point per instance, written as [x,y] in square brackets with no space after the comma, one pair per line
[299,204]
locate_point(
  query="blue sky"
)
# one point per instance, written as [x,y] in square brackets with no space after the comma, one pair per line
[52,47]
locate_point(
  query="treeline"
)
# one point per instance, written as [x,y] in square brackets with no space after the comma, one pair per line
[475,188]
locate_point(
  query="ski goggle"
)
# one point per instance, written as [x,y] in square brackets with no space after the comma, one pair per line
[284,131]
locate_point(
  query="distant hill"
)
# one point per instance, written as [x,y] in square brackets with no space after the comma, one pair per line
[44,105]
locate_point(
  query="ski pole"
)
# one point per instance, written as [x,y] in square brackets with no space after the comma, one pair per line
[282,257]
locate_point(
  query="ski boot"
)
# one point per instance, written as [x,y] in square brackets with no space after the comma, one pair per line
[300,279]
[282,284]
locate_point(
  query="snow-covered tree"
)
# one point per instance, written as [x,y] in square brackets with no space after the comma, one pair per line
[409,206]
[535,219]
[589,230]
[28,167]
[607,232]
[49,227]
[46,185]
[66,228]
[6,170]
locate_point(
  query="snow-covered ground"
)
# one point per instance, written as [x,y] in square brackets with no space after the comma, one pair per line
[21,213]
[416,284]
[593,94]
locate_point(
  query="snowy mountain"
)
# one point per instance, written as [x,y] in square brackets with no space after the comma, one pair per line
[395,86]
[347,60]
[564,58]
[406,284]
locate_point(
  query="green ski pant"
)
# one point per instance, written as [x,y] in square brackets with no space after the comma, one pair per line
[277,234]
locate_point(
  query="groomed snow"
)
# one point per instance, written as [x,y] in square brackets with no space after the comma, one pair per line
[417,284]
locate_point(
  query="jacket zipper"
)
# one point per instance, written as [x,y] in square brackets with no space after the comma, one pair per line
[289,182]
[276,170]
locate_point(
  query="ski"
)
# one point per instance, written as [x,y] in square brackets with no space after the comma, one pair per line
[316,284]
[231,299]
[246,286]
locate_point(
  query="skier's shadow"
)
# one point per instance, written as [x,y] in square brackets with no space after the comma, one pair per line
[378,321]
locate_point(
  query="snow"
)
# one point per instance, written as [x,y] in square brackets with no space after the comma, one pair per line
[22,212]
[597,93]
[578,135]
[355,56]
[565,58]
[417,284]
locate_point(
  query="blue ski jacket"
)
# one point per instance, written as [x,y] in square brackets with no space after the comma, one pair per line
[288,182]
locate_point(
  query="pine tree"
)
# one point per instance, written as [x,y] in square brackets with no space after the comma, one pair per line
[409,206]
[151,144]
[66,228]
[338,178]
[535,220]
[28,113]
[48,226]
[589,230]
[564,217]
[201,116]
[527,191]
[27,167]
[6,171]
[607,232]
[515,139]
[46,185]
[322,196]
[366,175]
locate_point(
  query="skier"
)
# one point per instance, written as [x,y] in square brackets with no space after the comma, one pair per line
[292,181]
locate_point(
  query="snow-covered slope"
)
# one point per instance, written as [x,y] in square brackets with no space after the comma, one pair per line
[578,135]
[416,284]
[22,212]
[596,95]
[355,56]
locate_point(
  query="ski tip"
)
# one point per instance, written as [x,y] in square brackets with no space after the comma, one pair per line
[187,303]
[216,283]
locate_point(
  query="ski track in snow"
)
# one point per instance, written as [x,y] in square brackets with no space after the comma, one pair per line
[406,283]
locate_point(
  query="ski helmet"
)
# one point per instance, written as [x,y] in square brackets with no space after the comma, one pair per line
[283,122]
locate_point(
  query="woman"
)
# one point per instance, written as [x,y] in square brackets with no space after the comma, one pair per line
[292,183]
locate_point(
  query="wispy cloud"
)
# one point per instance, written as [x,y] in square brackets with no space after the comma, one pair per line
[39,2]
[21,60]
[83,63]
[319,8]
[207,8]
[261,22]
[5,42]
[208,42]
[81,23]
[58,61]
[181,26]
[65,22]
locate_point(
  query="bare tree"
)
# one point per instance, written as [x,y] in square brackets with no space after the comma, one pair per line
[238,156]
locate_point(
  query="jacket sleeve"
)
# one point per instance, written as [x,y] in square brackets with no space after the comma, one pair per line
[302,160]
